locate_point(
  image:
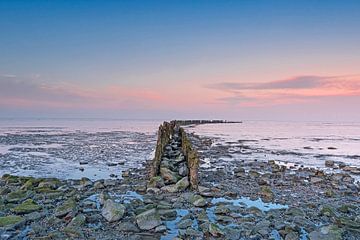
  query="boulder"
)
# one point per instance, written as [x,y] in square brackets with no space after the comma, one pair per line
[198,201]
[67,207]
[112,211]
[149,219]
[330,232]
[168,175]
[28,206]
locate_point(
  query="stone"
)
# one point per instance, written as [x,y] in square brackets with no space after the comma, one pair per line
[112,211]
[16,196]
[214,230]
[103,197]
[292,236]
[78,221]
[10,220]
[98,185]
[207,192]
[149,219]
[181,185]
[330,232]
[128,227]
[27,206]
[183,170]
[351,224]
[266,193]
[168,175]
[167,214]
[183,224]
[160,229]
[315,180]
[156,182]
[67,207]
[50,183]
[198,201]
[329,163]
[153,190]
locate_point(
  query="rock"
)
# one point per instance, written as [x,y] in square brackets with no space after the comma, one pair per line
[29,184]
[222,209]
[50,183]
[266,193]
[329,163]
[85,182]
[292,236]
[214,230]
[148,220]
[153,190]
[294,211]
[183,170]
[156,182]
[315,180]
[327,211]
[330,232]
[198,201]
[77,221]
[207,192]
[193,234]
[160,229]
[181,185]
[74,233]
[351,224]
[112,211]
[10,220]
[167,214]
[103,197]
[98,185]
[67,207]
[125,174]
[128,227]
[183,224]
[168,175]
[109,182]
[16,196]
[27,206]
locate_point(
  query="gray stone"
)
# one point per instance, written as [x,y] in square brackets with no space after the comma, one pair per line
[198,201]
[148,220]
[330,232]
[112,211]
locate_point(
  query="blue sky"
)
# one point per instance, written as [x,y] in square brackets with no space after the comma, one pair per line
[140,55]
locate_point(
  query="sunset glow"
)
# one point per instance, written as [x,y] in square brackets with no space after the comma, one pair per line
[159,59]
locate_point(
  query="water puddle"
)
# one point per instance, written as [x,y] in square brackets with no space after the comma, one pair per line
[173,230]
[247,202]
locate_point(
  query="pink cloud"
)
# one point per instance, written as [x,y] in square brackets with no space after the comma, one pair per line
[292,90]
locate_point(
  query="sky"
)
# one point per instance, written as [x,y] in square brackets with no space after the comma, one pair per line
[236,60]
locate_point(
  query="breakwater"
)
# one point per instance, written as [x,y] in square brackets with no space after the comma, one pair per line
[176,162]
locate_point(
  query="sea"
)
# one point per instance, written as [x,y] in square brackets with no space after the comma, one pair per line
[104,148]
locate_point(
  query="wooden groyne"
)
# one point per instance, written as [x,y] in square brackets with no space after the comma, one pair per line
[175,165]
[195,122]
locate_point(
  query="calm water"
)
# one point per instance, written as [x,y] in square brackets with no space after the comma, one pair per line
[304,143]
[99,148]
[71,149]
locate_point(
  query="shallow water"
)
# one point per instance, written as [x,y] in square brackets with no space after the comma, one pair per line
[309,144]
[72,149]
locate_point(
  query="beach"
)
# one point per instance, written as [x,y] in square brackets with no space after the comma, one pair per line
[256,180]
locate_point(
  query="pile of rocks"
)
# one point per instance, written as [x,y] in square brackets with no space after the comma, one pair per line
[173,173]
